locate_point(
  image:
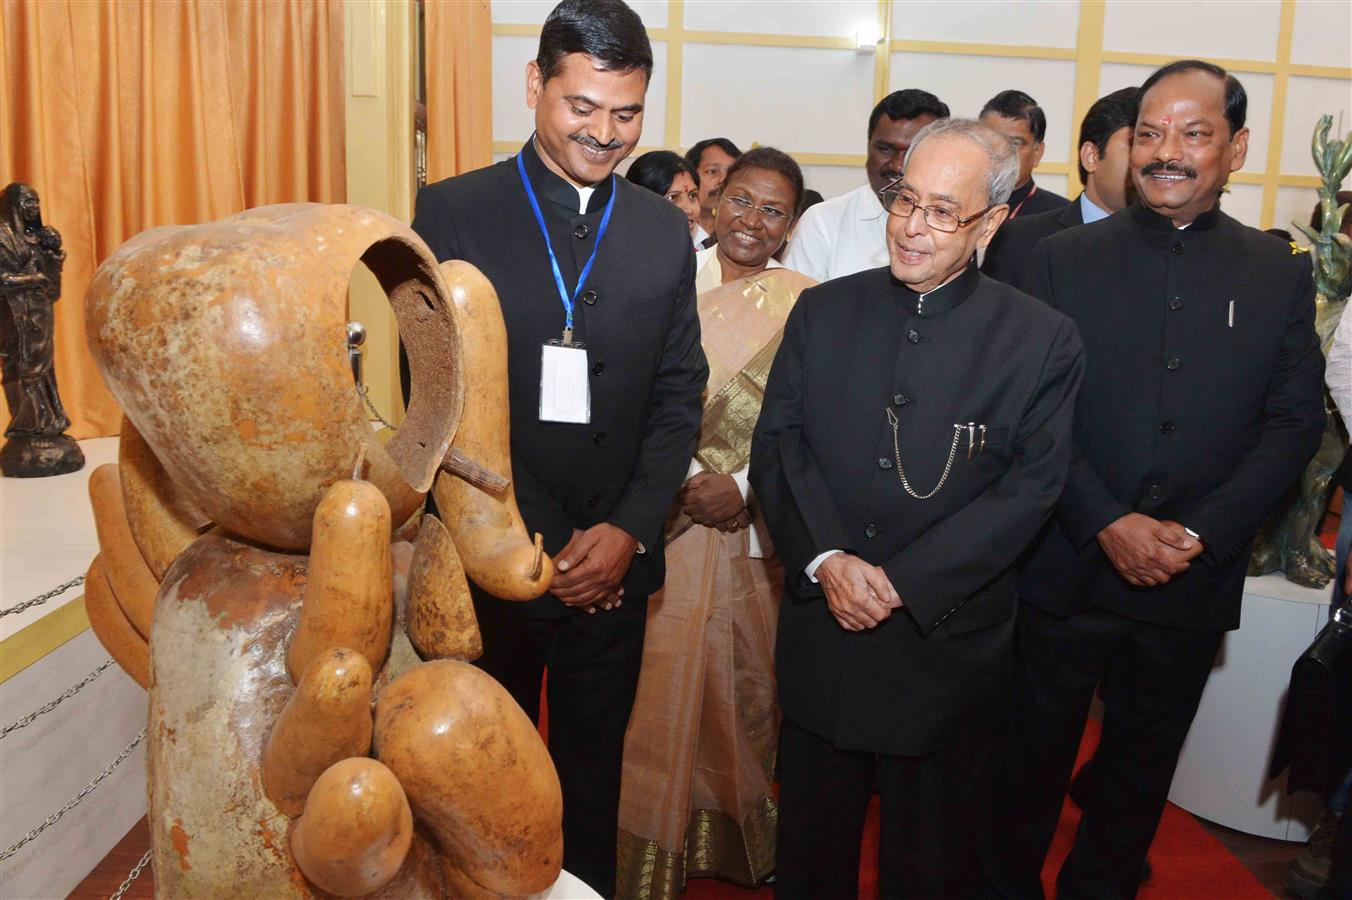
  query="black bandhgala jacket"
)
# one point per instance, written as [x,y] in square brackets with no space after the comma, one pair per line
[823,467]
[638,320]
[1203,401]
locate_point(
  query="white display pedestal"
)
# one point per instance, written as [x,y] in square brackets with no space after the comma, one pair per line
[1222,772]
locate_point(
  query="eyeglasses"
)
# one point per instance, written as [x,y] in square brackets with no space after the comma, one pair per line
[741,206]
[898,204]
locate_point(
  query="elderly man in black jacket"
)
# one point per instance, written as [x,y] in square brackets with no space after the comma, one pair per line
[1202,403]
[595,275]
[914,436]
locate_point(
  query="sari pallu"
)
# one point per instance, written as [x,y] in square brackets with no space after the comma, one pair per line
[699,753]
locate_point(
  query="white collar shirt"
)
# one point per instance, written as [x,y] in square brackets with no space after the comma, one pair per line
[840,236]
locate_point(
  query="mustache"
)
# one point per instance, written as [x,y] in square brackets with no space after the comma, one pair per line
[587,140]
[1170,168]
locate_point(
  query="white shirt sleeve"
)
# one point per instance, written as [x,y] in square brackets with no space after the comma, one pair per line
[812,243]
[811,570]
[1338,371]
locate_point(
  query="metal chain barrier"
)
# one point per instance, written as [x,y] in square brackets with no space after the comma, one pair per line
[134,874]
[364,391]
[53,704]
[74,801]
[43,598]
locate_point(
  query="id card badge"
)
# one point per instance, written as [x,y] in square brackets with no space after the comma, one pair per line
[565,391]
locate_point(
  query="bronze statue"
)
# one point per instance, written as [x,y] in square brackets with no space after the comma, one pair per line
[315,727]
[1289,540]
[30,284]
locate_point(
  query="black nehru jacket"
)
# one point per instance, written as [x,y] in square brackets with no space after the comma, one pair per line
[1008,254]
[638,320]
[823,466]
[1030,200]
[1183,416]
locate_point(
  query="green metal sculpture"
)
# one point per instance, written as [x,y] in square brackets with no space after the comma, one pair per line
[1290,538]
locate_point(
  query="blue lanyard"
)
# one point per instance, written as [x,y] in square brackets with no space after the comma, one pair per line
[568,300]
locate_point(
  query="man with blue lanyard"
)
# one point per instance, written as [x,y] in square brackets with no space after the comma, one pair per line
[596,281]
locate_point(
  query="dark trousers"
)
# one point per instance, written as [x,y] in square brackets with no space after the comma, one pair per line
[1152,679]
[593,663]
[929,809]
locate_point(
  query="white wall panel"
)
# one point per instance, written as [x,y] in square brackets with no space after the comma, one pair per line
[1244,202]
[832,181]
[514,121]
[1235,30]
[1294,203]
[838,18]
[1042,23]
[1306,100]
[817,101]
[1058,184]
[1321,33]
[965,83]
[533,12]
[1115,76]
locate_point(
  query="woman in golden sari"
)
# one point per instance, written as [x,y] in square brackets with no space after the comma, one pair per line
[700,749]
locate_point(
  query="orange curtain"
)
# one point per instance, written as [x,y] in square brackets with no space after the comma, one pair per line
[459,70]
[130,114]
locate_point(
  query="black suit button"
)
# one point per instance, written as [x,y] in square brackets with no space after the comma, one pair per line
[593,501]
[884,462]
[1166,428]
[913,336]
[871,531]
[1172,363]
[1177,248]
[581,232]
[900,399]
[1175,302]
[1154,492]
[599,438]
[589,297]
[598,368]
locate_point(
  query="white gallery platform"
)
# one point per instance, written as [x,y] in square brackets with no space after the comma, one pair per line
[47,538]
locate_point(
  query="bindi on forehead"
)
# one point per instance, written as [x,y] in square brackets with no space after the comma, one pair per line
[1168,120]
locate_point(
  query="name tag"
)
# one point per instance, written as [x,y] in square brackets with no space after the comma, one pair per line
[565,392]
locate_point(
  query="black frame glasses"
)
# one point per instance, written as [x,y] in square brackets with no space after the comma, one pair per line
[891,197]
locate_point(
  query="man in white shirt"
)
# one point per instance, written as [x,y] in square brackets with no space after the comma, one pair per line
[848,234]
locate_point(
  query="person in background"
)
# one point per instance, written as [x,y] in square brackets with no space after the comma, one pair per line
[710,158]
[1202,403]
[1324,869]
[1018,117]
[899,529]
[810,199]
[596,282]
[699,755]
[1105,172]
[848,234]
[667,173]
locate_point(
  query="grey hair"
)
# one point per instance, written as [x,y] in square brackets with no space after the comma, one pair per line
[1004,168]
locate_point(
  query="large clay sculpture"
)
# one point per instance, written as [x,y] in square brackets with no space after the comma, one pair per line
[315,727]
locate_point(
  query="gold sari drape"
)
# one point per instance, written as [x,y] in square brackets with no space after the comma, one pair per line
[699,753]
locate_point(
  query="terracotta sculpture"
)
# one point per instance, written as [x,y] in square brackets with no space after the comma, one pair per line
[30,284]
[1289,540]
[315,727]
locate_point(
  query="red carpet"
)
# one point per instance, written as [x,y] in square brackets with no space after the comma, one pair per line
[1187,861]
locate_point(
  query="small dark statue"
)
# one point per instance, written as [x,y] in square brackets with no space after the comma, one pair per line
[1289,539]
[30,283]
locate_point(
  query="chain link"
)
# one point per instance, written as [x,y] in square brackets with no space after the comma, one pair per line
[74,801]
[51,705]
[134,874]
[901,473]
[364,391]
[43,598]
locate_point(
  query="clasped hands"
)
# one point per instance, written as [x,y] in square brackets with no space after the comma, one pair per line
[1148,552]
[715,501]
[591,567]
[859,595]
